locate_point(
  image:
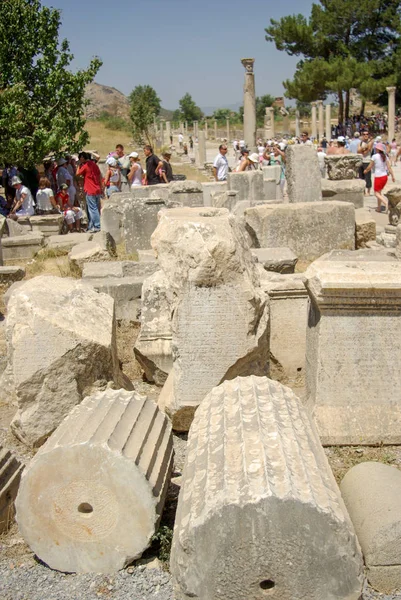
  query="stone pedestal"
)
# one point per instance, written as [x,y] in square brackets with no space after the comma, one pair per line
[342,167]
[269,123]
[92,497]
[391,113]
[353,348]
[321,119]
[303,174]
[314,121]
[328,122]
[260,514]
[249,105]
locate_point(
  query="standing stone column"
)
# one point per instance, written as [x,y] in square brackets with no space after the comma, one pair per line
[314,124]
[297,125]
[215,130]
[182,129]
[321,119]
[228,130]
[249,105]
[269,122]
[186,127]
[206,131]
[162,132]
[328,121]
[168,130]
[391,113]
[201,154]
[196,129]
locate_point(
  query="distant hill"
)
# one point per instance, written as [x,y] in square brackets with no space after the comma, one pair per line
[106,99]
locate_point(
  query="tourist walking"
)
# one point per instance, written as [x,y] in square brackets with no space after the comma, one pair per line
[135,174]
[393,152]
[354,143]
[382,168]
[93,189]
[220,165]
[167,170]
[365,149]
[112,180]
[153,164]
[124,164]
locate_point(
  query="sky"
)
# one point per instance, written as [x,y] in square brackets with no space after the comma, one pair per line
[180,46]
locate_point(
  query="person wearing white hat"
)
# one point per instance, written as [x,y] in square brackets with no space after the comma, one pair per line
[64,176]
[340,148]
[136,172]
[112,179]
[23,204]
[250,163]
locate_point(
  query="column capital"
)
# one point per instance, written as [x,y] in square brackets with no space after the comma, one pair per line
[391,89]
[314,103]
[319,102]
[248,64]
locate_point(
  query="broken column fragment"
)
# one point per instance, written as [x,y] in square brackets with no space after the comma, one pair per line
[10,475]
[92,497]
[259,508]
[61,340]
[219,311]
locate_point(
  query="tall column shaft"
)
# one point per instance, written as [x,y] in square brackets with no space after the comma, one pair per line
[328,121]
[228,130]
[201,148]
[215,130]
[391,113]
[321,119]
[249,105]
[297,127]
[206,131]
[314,123]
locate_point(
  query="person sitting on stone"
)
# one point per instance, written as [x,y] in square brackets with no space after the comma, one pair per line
[72,214]
[45,201]
[23,204]
[135,174]
[112,180]
[250,163]
[340,148]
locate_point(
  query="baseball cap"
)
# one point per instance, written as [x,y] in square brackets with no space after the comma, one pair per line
[133,155]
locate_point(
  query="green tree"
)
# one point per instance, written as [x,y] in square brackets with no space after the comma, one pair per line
[189,110]
[145,107]
[343,44]
[42,103]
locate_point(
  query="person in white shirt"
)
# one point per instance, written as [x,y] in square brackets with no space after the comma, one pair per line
[305,139]
[45,201]
[23,204]
[180,139]
[220,165]
[382,167]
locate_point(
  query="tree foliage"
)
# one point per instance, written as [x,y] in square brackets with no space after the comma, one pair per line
[189,111]
[344,44]
[42,104]
[145,107]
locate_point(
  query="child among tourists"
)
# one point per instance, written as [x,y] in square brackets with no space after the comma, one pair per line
[72,214]
[45,201]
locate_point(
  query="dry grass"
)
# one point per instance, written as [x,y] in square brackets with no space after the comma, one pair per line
[104,140]
[126,338]
[343,458]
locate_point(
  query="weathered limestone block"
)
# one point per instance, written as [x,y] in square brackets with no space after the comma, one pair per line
[212,186]
[248,184]
[351,190]
[60,341]
[354,318]
[344,166]
[21,246]
[372,494]
[153,346]
[11,274]
[112,217]
[140,221]
[47,224]
[227,199]
[125,291]
[308,229]
[279,260]
[14,228]
[102,476]
[123,268]
[288,324]
[394,204]
[365,228]
[88,252]
[68,241]
[259,511]
[303,174]
[186,193]
[219,312]
[10,475]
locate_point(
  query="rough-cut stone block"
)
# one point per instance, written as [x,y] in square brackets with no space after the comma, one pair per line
[125,268]
[352,190]
[47,224]
[93,251]
[68,241]
[354,318]
[14,228]
[303,174]
[309,229]
[219,314]
[92,497]
[212,187]
[279,260]
[153,345]
[125,291]
[21,246]
[147,256]
[372,495]
[270,189]
[57,350]
[248,184]
[341,167]
[259,512]
[140,221]
[11,274]
[227,199]
[10,475]
[288,324]
[365,228]
[393,195]
[187,193]
[112,217]
[160,190]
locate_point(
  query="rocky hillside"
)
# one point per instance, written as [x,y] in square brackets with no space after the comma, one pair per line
[106,99]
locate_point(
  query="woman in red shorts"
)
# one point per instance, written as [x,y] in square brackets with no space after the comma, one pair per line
[382,167]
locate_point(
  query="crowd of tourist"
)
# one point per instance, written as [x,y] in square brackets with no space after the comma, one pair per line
[73,185]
